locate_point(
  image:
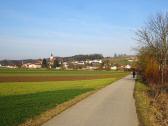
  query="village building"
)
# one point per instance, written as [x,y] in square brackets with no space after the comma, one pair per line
[114,68]
[31,65]
[65,65]
[94,61]
[128,67]
[91,68]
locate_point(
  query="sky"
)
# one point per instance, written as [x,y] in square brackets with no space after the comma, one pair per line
[35,28]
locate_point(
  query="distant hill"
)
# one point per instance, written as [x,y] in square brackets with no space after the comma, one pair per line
[122,60]
[18,62]
[84,57]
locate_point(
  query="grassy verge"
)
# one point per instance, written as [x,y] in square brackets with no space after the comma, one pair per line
[152,108]
[20,101]
[142,103]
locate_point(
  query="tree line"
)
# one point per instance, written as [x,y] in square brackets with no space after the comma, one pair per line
[153,50]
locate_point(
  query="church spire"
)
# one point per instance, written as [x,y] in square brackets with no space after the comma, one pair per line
[51,54]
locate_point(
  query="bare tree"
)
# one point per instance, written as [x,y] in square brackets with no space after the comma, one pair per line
[154,37]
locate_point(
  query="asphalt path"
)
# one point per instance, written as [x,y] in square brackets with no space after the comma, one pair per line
[113,105]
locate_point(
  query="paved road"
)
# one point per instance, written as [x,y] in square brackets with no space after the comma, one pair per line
[111,106]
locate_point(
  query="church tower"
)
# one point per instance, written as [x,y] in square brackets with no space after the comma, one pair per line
[51,61]
[51,57]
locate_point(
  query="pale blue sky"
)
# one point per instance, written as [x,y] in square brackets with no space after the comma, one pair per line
[35,28]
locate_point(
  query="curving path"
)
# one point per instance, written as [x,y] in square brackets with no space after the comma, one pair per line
[111,106]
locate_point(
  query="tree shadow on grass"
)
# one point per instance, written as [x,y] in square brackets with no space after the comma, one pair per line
[17,108]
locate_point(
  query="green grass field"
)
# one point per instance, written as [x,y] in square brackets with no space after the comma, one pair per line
[20,101]
[46,72]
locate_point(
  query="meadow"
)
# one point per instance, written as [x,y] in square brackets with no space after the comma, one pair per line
[20,101]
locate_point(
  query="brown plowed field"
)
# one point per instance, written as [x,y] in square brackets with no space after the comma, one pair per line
[49,78]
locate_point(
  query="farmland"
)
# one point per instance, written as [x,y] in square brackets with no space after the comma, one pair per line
[45,72]
[41,75]
[20,101]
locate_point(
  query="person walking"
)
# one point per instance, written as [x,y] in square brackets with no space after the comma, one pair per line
[133,73]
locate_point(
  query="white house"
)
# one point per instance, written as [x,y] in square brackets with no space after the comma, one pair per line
[9,66]
[130,60]
[65,64]
[81,63]
[91,68]
[114,68]
[94,61]
[128,67]
[31,65]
